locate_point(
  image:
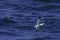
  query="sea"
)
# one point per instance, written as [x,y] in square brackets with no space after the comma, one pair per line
[18,18]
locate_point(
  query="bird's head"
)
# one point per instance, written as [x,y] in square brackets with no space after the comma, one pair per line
[39,17]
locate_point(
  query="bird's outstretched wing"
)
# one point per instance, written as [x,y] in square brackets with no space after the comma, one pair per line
[36,26]
[41,24]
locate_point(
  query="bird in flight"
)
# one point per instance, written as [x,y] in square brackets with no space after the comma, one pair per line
[38,24]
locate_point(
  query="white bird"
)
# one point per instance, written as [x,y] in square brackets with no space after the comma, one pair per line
[38,24]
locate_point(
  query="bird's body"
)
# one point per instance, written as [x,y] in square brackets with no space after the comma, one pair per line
[38,24]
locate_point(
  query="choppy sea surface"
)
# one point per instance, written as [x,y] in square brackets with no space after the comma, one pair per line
[18,18]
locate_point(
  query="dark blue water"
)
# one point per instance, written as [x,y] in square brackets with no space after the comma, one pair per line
[18,18]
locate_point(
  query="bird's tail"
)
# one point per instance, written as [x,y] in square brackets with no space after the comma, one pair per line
[36,30]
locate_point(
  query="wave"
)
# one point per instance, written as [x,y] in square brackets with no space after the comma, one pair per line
[5,21]
[46,0]
[44,38]
[8,33]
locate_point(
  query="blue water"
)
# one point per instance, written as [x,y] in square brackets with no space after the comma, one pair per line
[18,18]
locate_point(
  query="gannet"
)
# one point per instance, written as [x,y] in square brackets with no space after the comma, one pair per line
[38,24]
